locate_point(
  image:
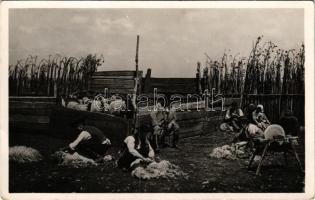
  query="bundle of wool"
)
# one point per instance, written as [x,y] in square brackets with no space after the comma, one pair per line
[74,160]
[23,154]
[108,158]
[163,169]
[229,152]
[226,151]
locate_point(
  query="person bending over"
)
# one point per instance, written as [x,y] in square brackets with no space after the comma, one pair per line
[248,130]
[137,151]
[90,142]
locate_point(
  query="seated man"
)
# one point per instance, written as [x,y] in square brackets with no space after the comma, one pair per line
[164,123]
[91,141]
[232,117]
[289,123]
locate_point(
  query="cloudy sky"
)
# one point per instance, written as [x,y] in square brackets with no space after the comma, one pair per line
[172,41]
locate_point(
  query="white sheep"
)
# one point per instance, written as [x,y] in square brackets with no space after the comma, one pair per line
[23,154]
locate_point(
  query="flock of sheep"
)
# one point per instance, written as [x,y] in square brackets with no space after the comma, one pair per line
[114,105]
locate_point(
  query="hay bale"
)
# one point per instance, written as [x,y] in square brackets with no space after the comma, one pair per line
[23,154]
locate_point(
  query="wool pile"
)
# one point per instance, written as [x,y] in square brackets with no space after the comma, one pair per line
[23,154]
[230,152]
[162,169]
[74,160]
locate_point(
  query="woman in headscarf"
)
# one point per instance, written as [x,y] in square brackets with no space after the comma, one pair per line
[232,117]
[260,118]
[137,150]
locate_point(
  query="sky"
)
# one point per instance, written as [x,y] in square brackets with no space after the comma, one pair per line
[172,41]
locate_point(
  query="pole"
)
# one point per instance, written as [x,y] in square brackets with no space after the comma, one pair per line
[137,53]
[135,114]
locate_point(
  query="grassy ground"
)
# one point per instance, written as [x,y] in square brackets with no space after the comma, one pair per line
[205,174]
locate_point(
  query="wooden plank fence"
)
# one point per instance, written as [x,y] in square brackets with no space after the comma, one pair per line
[116,128]
[275,104]
[121,82]
[30,113]
[193,122]
[169,85]
[36,112]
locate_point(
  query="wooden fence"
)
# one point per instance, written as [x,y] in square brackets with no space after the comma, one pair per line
[121,82]
[30,113]
[169,85]
[116,128]
[36,112]
[42,114]
[275,104]
[193,123]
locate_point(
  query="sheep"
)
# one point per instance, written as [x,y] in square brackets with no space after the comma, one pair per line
[99,105]
[74,160]
[23,154]
[72,104]
[116,106]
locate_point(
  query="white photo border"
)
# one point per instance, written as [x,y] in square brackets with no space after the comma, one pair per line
[308,7]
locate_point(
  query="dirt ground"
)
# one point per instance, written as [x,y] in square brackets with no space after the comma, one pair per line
[205,174]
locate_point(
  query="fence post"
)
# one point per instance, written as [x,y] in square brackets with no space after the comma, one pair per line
[198,79]
[55,89]
[147,81]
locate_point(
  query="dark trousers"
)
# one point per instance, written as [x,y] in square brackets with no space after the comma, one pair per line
[91,149]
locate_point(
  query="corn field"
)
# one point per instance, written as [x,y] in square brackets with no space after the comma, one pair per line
[56,74]
[267,70]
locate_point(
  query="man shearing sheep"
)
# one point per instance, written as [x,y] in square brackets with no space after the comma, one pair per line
[91,141]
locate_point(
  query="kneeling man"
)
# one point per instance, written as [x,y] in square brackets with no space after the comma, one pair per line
[91,141]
